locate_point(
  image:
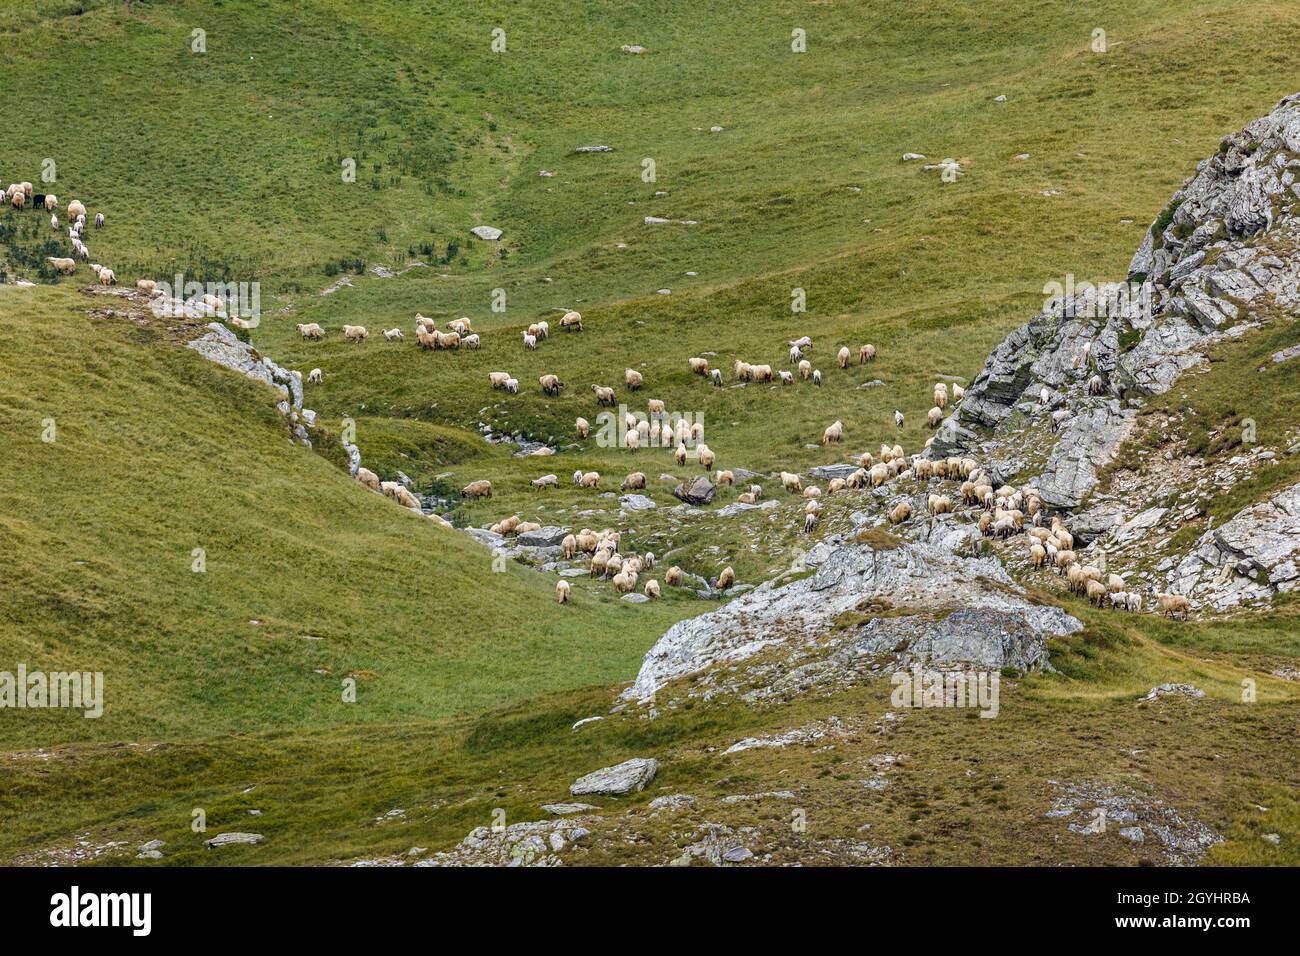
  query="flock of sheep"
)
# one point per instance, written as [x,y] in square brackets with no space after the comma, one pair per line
[19,195]
[1006,510]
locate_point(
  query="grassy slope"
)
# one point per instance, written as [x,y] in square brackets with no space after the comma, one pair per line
[235,174]
[159,452]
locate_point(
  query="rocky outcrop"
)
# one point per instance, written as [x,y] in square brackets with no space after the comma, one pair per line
[1247,560]
[911,601]
[1057,397]
[697,491]
[630,776]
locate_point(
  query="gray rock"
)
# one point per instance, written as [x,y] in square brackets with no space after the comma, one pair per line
[1181,690]
[827,472]
[594,149]
[567,809]
[487,233]
[698,491]
[627,777]
[547,537]
[229,839]
[636,503]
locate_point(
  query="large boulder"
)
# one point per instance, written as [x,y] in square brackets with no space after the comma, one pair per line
[627,777]
[697,491]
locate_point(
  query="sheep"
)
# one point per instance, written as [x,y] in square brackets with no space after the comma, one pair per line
[530,341]
[590,479]
[551,385]
[482,488]
[76,209]
[66,266]
[726,579]
[106,276]
[705,455]
[699,366]
[543,330]
[1037,555]
[311,331]
[744,371]
[745,498]
[27,189]
[941,395]
[17,200]
[835,485]
[355,333]
[795,354]
[54,222]
[844,356]
[599,561]
[1059,418]
[562,591]
[934,417]
[99,220]
[393,335]
[803,342]
[817,376]
[725,478]
[1115,583]
[787,378]
[697,431]
[512,386]
[805,369]
[901,512]
[368,478]
[791,482]
[571,321]
[939,505]
[1095,386]
[921,469]
[634,480]
[1064,560]
[679,454]
[315,376]
[625,582]
[757,491]
[833,433]
[866,353]
[633,378]
[958,393]
[51,202]
[604,395]
[762,373]
[632,439]
[1172,604]
[1134,602]
[498,379]
[655,406]
[812,492]
[1096,593]
[878,474]
[1118,600]
[147,286]
[546,481]
[715,375]
[898,418]
[809,522]
[675,576]
[461,326]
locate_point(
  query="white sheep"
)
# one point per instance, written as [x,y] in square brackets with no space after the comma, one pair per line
[716,376]
[99,220]
[898,418]
[833,433]
[562,591]
[393,335]
[355,333]
[817,376]
[844,356]
[315,376]
[633,378]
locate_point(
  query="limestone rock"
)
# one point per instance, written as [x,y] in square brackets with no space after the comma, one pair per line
[630,776]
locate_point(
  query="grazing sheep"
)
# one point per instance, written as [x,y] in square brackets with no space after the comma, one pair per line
[1064,560]
[632,439]
[66,266]
[786,378]
[368,478]
[461,326]
[817,376]
[498,379]
[958,393]
[725,478]
[1118,600]
[762,373]
[551,385]
[571,321]
[1134,602]
[705,455]
[76,209]
[655,406]
[898,418]
[315,376]
[51,202]
[478,489]
[844,356]
[941,395]
[355,333]
[939,505]
[1037,555]
[744,371]
[675,576]
[634,480]
[512,386]
[625,582]
[543,330]
[921,469]
[633,378]
[791,482]
[809,522]
[17,200]
[1043,395]
[604,395]
[934,417]
[589,479]
[562,591]
[795,354]
[835,485]
[1173,604]
[745,498]
[99,220]
[866,353]
[901,512]
[546,481]
[1095,386]
[805,369]
[757,491]
[699,366]
[715,375]
[583,427]
[679,454]
[1096,593]
[530,341]
[1115,583]
[833,433]
[652,589]
[54,222]
[311,331]
[726,579]
[147,286]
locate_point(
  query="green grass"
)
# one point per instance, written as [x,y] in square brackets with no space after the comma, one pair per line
[235,174]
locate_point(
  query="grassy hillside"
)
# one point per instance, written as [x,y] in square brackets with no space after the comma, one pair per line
[228,165]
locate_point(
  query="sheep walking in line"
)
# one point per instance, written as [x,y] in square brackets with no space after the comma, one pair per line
[355,333]
[562,591]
